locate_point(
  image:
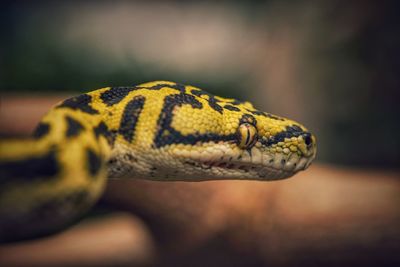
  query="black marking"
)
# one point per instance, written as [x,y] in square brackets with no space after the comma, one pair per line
[94,162]
[247,118]
[265,114]
[103,130]
[200,93]
[74,127]
[294,129]
[212,102]
[41,130]
[115,95]
[167,135]
[231,108]
[290,131]
[81,102]
[236,102]
[214,105]
[269,115]
[31,169]
[176,86]
[130,117]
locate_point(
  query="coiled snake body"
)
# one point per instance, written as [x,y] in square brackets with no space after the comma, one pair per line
[159,130]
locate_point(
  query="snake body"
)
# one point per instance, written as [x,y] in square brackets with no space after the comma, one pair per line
[158,130]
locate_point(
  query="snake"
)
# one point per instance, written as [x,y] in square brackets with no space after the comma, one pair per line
[160,130]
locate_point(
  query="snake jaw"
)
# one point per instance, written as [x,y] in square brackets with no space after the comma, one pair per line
[228,161]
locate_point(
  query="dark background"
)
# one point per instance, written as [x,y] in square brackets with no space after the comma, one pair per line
[333,65]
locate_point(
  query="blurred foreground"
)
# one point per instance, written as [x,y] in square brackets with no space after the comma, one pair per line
[326,216]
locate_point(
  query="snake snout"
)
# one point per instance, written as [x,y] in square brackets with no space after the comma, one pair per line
[310,143]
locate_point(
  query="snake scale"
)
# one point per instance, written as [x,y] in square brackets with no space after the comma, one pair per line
[158,130]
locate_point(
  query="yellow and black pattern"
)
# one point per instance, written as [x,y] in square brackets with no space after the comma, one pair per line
[159,130]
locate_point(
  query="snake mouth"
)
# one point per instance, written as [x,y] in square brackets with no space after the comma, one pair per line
[271,168]
[225,163]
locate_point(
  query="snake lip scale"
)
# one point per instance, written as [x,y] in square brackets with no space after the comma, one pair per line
[276,168]
[159,130]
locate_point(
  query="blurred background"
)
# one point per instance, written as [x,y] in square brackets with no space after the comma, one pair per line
[332,65]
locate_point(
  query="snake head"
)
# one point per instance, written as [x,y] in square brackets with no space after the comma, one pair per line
[261,148]
[238,142]
[185,133]
[274,147]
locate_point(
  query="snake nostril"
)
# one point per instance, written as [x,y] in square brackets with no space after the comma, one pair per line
[307,139]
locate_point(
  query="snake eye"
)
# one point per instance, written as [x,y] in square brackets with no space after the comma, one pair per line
[247,134]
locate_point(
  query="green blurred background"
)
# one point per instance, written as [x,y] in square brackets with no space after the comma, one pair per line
[332,65]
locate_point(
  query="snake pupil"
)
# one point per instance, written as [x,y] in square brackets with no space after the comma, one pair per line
[247,135]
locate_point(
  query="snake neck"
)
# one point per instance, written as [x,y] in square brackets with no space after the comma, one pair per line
[55,176]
